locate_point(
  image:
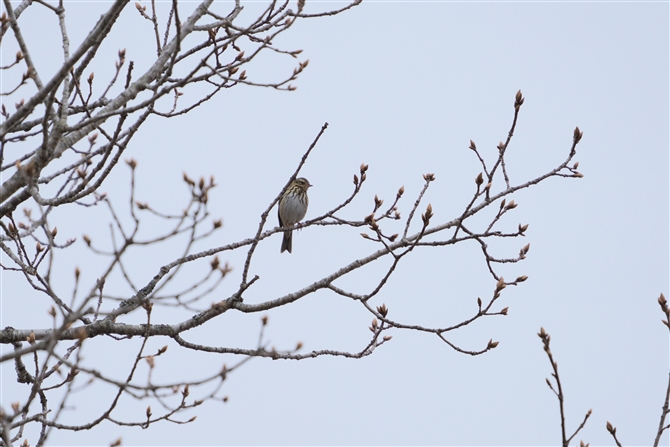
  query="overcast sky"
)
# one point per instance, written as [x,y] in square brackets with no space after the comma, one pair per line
[404,86]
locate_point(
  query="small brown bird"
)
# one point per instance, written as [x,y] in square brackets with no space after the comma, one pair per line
[292,209]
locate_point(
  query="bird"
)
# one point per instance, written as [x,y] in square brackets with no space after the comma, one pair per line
[292,209]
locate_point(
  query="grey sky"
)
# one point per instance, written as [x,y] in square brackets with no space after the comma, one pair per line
[404,86]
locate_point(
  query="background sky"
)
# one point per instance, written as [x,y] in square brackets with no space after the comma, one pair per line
[404,86]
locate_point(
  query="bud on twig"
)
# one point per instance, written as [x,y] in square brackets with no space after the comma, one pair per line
[500,284]
[427,215]
[518,101]
[479,179]
[577,136]
[473,146]
[188,180]
[378,202]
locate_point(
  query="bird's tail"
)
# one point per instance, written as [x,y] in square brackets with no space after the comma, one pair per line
[287,242]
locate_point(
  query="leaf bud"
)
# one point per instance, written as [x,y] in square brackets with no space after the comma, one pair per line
[518,101]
